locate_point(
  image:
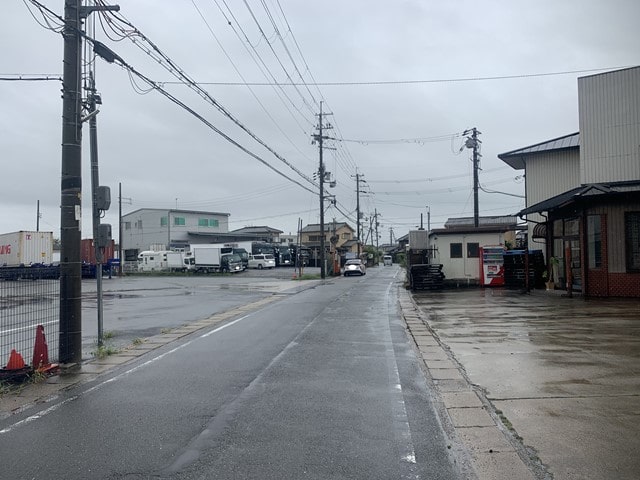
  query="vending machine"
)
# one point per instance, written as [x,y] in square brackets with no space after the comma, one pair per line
[492,266]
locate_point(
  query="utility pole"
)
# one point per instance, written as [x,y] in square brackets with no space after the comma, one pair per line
[38,216]
[120,229]
[319,137]
[358,176]
[92,100]
[120,200]
[377,225]
[473,142]
[71,189]
[70,336]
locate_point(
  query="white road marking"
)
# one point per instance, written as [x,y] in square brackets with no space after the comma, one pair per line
[401,419]
[56,406]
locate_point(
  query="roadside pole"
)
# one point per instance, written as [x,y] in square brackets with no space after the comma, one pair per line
[70,335]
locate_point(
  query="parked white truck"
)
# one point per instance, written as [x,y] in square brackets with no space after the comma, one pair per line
[207,259]
[26,248]
[241,248]
[160,261]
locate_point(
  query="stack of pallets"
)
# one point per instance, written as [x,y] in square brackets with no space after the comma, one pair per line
[426,276]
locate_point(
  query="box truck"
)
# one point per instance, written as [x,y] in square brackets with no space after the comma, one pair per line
[26,248]
[161,261]
[207,259]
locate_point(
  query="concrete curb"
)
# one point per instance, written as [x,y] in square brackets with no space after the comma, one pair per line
[495,452]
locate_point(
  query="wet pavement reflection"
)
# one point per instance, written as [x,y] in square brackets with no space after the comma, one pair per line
[564,371]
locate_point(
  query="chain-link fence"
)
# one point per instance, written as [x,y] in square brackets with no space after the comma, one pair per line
[29,297]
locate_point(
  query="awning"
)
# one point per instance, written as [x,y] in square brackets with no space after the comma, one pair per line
[539,231]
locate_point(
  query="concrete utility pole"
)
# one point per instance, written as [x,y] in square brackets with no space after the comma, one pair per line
[319,137]
[473,143]
[70,336]
[358,176]
[377,225]
[71,189]
[92,100]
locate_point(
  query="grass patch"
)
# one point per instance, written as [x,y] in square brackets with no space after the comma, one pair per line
[308,276]
[104,351]
[108,335]
[136,341]
[37,377]
[4,389]
[164,331]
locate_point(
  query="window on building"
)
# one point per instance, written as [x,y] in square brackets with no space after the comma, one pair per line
[572,227]
[203,222]
[455,250]
[632,237]
[346,236]
[178,221]
[164,221]
[473,250]
[127,225]
[139,224]
[213,222]
[594,241]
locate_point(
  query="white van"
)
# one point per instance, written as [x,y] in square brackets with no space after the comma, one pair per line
[262,260]
[387,260]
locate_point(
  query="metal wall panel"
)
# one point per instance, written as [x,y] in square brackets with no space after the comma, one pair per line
[551,173]
[609,106]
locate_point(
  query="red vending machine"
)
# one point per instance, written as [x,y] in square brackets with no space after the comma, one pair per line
[492,266]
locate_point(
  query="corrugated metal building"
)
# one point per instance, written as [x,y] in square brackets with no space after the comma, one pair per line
[583,190]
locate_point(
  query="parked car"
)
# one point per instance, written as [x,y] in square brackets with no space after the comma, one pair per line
[355,267]
[262,260]
[387,260]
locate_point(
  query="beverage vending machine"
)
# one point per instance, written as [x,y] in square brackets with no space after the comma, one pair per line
[492,266]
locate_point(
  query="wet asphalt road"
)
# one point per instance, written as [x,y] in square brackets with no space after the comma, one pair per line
[136,307]
[321,384]
[564,372]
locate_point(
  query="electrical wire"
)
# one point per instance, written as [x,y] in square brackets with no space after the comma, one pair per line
[255,96]
[156,86]
[426,81]
[175,70]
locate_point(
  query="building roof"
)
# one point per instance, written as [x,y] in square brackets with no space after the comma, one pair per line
[499,224]
[515,158]
[328,227]
[502,220]
[257,229]
[583,191]
[175,210]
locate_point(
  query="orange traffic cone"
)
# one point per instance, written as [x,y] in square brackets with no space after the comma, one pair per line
[15,361]
[40,350]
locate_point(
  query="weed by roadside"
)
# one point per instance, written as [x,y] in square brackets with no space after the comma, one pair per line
[308,276]
[103,351]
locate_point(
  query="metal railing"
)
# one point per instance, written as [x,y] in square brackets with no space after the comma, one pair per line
[29,297]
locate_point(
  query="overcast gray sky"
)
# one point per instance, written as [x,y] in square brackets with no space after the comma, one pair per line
[164,157]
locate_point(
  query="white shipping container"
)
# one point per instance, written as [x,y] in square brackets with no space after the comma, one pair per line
[26,247]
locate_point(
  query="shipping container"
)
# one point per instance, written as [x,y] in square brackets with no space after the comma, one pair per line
[88,253]
[25,248]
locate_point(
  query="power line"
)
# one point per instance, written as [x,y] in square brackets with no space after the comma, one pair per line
[424,81]
[166,62]
[255,96]
[111,57]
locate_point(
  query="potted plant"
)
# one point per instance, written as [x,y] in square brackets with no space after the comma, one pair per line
[551,273]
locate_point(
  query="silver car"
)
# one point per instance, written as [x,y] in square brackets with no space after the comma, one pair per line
[355,267]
